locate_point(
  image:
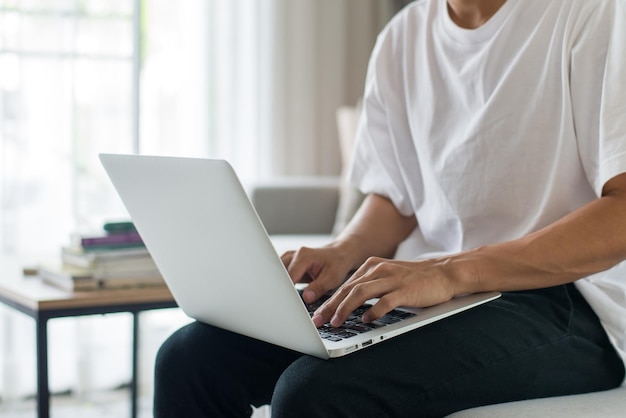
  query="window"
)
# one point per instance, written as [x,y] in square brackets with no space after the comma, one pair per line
[66,73]
[80,77]
[77,78]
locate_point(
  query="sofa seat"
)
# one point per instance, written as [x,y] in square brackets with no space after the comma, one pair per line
[607,404]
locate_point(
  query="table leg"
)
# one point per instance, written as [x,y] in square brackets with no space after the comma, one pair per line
[43,391]
[135,367]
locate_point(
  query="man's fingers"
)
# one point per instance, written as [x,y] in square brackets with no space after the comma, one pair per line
[310,294]
[345,300]
[287,257]
[384,305]
[300,264]
[318,267]
[358,295]
[322,284]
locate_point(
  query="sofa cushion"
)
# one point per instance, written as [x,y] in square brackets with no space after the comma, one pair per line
[607,404]
[296,205]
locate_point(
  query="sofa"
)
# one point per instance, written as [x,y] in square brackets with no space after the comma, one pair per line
[307,211]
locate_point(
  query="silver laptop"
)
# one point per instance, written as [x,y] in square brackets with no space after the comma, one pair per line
[220,265]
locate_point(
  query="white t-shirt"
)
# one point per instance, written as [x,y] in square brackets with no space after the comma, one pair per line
[487,135]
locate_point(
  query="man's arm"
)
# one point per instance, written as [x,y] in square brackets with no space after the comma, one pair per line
[589,240]
[376,230]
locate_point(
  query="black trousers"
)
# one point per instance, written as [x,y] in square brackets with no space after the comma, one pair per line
[524,345]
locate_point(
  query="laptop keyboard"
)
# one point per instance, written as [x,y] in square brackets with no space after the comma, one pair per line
[354,325]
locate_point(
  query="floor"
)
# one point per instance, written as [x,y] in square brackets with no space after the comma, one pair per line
[109,404]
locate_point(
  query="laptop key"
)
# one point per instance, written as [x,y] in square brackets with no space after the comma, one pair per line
[332,338]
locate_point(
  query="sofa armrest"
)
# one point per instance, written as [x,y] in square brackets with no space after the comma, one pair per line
[297,205]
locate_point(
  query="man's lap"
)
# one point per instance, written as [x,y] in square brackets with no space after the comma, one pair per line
[523,345]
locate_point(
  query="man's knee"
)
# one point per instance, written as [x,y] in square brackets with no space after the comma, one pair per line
[175,356]
[305,388]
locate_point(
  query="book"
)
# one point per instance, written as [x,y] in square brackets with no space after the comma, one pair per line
[128,270]
[108,240]
[113,258]
[67,278]
[79,279]
[80,257]
[120,226]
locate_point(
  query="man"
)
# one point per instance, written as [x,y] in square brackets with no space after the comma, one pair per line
[493,138]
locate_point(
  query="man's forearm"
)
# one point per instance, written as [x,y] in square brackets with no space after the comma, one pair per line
[376,230]
[589,240]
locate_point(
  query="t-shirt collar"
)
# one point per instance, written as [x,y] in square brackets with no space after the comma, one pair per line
[473,36]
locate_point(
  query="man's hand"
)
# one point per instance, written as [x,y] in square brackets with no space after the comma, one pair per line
[376,229]
[395,283]
[323,268]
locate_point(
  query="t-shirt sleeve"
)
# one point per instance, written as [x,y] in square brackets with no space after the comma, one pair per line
[375,167]
[598,80]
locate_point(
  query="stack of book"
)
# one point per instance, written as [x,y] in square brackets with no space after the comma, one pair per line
[113,258]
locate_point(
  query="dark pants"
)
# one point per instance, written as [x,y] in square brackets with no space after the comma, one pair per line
[524,345]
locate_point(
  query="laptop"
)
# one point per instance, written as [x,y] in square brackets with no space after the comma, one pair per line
[219,262]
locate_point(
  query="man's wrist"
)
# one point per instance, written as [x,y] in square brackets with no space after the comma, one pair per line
[464,273]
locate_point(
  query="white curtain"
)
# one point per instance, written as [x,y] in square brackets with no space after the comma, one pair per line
[319,57]
[255,82]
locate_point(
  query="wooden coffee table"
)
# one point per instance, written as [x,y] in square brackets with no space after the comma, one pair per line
[31,296]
